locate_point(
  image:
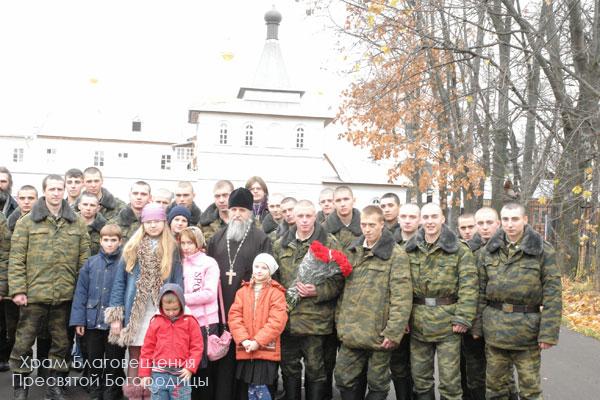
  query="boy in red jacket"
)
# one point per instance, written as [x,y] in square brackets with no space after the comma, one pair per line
[172,347]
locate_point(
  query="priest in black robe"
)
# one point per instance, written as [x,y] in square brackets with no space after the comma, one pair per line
[234,247]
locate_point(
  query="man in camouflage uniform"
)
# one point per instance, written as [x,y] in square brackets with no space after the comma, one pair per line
[216,216]
[520,304]
[466,231]
[184,196]
[444,304]
[73,186]
[274,218]
[390,205]
[373,310]
[4,250]
[409,216]
[311,321]
[48,247]
[162,196]
[88,211]
[109,204]
[289,220]
[26,197]
[344,223]
[466,226]
[326,204]
[128,218]
[473,363]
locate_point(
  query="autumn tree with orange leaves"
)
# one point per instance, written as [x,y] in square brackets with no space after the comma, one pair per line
[462,92]
[406,110]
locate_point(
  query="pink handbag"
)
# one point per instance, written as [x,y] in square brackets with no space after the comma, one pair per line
[217,347]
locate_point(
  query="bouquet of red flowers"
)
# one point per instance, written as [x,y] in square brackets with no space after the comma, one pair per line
[317,265]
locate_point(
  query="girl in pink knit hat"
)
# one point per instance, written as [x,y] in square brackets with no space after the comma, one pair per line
[149,260]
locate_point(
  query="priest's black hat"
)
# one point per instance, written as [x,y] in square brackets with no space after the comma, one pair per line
[241,197]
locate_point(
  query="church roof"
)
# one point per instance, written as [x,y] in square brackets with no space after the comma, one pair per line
[263,108]
[356,170]
[270,93]
[271,73]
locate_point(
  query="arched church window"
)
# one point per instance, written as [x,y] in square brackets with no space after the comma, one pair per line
[223,131]
[300,138]
[249,136]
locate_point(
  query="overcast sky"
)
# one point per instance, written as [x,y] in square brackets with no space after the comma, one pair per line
[61,59]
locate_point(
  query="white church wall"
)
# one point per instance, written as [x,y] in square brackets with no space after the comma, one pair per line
[121,163]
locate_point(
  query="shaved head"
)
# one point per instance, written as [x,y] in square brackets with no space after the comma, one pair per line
[432,219]
[487,222]
[431,208]
[410,208]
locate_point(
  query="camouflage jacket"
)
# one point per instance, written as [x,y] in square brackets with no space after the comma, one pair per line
[46,254]
[127,221]
[444,269]
[210,222]
[109,205]
[4,251]
[94,231]
[312,315]
[345,235]
[377,297]
[527,275]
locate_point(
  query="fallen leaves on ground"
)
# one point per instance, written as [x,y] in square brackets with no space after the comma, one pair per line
[581,307]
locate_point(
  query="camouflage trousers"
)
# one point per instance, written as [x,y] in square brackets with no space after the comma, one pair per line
[32,320]
[352,362]
[310,349]
[422,365]
[473,370]
[499,370]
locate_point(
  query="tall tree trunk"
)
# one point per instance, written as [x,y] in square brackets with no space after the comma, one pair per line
[500,135]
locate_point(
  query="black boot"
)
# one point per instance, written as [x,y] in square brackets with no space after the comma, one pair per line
[430,395]
[329,386]
[96,393]
[513,396]
[352,394]
[54,386]
[20,391]
[376,395]
[314,390]
[292,388]
[403,387]
[112,393]
[477,393]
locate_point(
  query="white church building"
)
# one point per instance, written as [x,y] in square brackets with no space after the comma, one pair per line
[268,130]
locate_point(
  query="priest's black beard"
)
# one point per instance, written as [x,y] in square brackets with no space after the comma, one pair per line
[236,229]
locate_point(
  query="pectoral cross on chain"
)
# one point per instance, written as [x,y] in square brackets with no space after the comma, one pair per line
[231,273]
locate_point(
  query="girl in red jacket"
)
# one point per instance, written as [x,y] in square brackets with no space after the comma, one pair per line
[257,318]
[172,348]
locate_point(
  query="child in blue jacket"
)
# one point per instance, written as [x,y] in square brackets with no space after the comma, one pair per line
[92,297]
